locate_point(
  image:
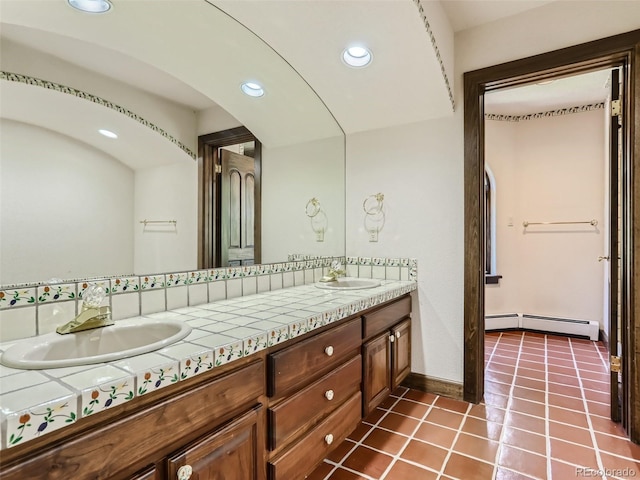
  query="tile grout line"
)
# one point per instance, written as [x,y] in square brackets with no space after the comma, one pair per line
[359,443]
[547,430]
[403,448]
[507,409]
[585,404]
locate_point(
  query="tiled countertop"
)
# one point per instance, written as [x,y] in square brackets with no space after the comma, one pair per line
[36,402]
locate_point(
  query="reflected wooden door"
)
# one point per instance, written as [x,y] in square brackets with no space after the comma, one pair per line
[237,188]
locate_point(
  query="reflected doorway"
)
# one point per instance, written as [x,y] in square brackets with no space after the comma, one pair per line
[229,199]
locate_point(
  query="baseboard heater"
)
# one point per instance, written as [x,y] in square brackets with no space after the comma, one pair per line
[502,322]
[566,326]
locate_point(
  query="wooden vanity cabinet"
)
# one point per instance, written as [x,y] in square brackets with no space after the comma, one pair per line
[386,352]
[216,423]
[315,398]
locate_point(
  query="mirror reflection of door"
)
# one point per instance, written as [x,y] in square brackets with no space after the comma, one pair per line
[229,199]
[237,185]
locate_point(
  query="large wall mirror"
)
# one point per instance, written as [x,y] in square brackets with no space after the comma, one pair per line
[77,204]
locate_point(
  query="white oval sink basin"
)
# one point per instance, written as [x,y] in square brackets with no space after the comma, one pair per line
[347,283]
[126,338]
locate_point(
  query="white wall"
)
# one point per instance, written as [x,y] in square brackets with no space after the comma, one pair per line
[291,176]
[432,191]
[415,168]
[548,169]
[166,193]
[65,208]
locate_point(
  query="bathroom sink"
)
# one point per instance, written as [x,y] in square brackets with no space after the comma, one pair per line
[346,283]
[126,338]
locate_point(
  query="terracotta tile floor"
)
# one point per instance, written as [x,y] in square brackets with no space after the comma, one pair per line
[545,416]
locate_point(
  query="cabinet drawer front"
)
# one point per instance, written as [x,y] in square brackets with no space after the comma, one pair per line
[301,459]
[306,407]
[300,363]
[386,317]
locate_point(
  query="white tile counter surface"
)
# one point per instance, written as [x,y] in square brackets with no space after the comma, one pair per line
[36,402]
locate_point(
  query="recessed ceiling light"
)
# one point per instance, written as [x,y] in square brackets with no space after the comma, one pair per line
[252,89]
[91,6]
[357,56]
[545,82]
[107,133]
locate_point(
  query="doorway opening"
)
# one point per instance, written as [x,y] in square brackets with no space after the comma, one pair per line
[547,208]
[615,52]
[229,199]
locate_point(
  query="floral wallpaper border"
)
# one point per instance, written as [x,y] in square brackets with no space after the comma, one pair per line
[550,113]
[28,80]
[432,37]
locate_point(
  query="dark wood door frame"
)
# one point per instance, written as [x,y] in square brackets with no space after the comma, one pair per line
[620,50]
[208,193]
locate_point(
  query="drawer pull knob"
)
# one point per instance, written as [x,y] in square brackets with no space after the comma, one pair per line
[329,351]
[398,334]
[329,394]
[185,472]
[392,338]
[328,439]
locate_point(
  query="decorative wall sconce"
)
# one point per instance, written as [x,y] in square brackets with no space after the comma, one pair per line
[317,217]
[374,218]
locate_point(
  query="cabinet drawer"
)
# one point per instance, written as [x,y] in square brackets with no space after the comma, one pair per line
[301,459]
[386,317]
[309,405]
[300,363]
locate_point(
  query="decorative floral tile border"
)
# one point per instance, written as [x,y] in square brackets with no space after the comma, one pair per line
[37,421]
[17,297]
[107,395]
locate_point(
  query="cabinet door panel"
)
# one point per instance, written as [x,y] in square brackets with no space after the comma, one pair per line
[401,353]
[148,474]
[377,374]
[231,453]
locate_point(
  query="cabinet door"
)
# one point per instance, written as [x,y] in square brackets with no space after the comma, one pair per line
[231,453]
[401,365]
[377,371]
[147,474]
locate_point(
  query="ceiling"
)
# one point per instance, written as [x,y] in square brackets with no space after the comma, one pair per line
[212,45]
[464,14]
[586,89]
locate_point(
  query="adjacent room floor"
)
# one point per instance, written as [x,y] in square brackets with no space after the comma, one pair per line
[545,415]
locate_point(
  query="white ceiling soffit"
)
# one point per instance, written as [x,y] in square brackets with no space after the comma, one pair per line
[201,46]
[575,91]
[137,146]
[404,82]
[108,62]
[464,14]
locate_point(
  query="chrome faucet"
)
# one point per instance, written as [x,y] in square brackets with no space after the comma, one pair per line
[335,271]
[92,314]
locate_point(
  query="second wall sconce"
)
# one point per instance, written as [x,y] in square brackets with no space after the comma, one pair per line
[374,218]
[317,217]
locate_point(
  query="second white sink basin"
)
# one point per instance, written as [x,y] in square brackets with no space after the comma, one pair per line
[126,338]
[347,283]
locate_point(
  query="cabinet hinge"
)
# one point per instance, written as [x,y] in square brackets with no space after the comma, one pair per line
[616,108]
[616,366]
